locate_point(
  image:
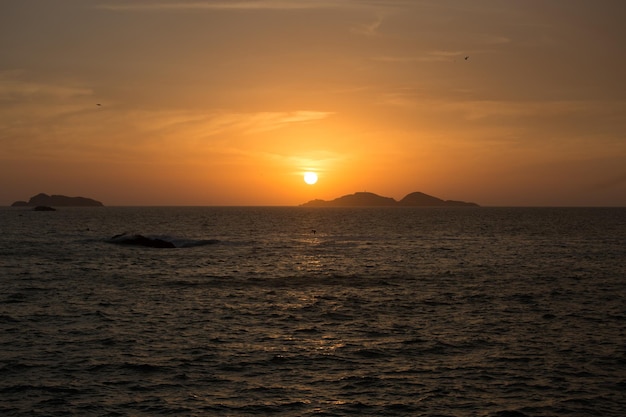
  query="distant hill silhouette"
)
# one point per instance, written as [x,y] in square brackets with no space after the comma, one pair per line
[365,199]
[57,201]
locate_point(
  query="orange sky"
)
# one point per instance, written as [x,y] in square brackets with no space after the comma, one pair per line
[230,102]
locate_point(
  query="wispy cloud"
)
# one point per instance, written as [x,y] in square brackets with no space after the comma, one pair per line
[262,122]
[214,123]
[484,109]
[48,118]
[368,29]
[223,5]
[12,87]
[428,56]
[245,5]
[407,97]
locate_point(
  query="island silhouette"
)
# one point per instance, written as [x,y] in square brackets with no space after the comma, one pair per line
[45,200]
[367,199]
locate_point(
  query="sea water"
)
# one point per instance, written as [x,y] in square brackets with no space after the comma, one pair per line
[296,311]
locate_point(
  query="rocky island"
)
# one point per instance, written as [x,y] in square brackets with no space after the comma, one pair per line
[45,200]
[365,199]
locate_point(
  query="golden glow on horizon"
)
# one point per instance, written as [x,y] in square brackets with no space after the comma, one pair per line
[310,178]
[383,100]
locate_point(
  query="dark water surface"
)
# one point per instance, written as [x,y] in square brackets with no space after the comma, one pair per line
[386,312]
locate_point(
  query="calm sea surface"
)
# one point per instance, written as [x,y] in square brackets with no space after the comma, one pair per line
[313,312]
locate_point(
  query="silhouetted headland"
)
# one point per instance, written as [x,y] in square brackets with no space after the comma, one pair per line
[365,199]
[57,201]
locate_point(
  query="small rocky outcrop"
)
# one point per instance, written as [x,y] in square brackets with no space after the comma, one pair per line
[160,241]
[43,199]
[141,240]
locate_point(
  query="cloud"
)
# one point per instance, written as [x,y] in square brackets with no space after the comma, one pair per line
[47,118]
[194,135]
[214,123]
[493,39]
[224,5]
[265,121]
[259,5]
[13,88]
[33,112]
[39,101]
[137,130]
[477,110]
[368,29]
[484,109]
[430,56]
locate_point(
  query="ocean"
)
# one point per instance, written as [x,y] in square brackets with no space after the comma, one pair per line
[293,311]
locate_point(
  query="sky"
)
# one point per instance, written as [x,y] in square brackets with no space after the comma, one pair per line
[230,102]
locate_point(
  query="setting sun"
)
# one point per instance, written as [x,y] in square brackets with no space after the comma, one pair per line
[310,178]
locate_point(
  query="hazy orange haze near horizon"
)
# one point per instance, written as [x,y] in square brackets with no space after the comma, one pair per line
[160,102]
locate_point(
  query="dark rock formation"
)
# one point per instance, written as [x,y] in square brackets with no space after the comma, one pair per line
[163,241]
[140,240]
[57,201]
[363,199]
[44,208]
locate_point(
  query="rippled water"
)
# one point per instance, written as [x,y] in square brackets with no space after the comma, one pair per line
[301,312]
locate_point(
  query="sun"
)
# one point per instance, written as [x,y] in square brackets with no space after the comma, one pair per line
[310,178]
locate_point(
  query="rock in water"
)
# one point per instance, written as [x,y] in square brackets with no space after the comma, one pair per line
[140,240]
